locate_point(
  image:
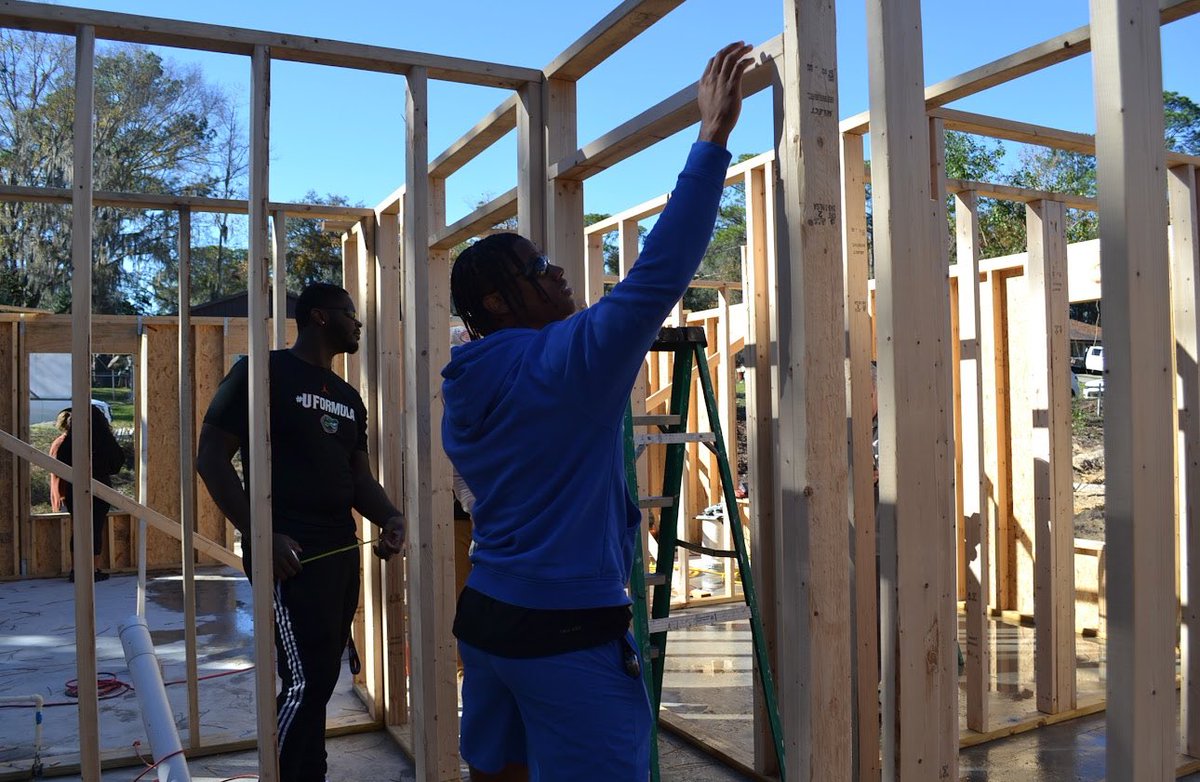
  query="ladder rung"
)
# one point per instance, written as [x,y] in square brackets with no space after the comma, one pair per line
[700,618]
[656,579]
[657,420]
[696,548]
[655,652]
[656,502]
[674,437]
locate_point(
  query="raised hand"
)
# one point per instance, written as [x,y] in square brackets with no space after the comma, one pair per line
[720,92]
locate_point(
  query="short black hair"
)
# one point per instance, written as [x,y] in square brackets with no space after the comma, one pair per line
[314,297]
[490,265]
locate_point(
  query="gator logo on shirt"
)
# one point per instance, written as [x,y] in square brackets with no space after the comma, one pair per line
[329,424]
[317,402]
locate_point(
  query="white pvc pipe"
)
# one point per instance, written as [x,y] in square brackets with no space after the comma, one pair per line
[157,717]
[38,705]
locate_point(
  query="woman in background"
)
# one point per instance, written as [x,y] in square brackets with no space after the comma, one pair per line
[107,461]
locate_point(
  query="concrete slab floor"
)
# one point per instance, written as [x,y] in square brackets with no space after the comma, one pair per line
[37,655]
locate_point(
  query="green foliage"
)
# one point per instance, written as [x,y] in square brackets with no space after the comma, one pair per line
[314,254]
[1182,117]
[153,134]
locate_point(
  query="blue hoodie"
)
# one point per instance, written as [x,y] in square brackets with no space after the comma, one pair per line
[533,420]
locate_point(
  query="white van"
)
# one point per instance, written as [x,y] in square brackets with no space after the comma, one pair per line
[1093,360]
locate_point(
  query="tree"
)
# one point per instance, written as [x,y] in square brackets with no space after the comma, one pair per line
[152,135]
[1182,123]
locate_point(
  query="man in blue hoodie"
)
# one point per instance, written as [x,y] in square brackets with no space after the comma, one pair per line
[533,424]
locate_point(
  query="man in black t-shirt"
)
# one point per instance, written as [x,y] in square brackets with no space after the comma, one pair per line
[319,474]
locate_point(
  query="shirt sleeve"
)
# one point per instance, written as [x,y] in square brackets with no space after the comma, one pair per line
[229,409]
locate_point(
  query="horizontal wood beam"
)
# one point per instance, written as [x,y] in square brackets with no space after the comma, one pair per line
[498,123]
[63,20]
[497,210]
[119,501]
[659,122]
[1026,133]
[624,23]
[1033,58]
[1022,194]
[155,201]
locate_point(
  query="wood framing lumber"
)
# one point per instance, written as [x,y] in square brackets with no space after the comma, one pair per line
[10,528]
[913,505]
[493,127]
[1139,380]
[624,23]
[974,480]
[187,487]
[154,201]
[388,398]
[621,25]
[1185,295]
[1048,355]
[1023,194]
[262,523]
[564,195]
[81,393]
[428,503]
[278,280]
[761,425]
[1026,133]
[155,31]
[495,211]
[658,122]
[115,498]
[160,433]
[812,554]
[862,462]
[1054,50]
[531,164]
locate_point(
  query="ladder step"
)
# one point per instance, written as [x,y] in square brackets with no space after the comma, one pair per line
[674,437]
[657,420]
[700,618]
[656,502]
[656,579]
[679,338]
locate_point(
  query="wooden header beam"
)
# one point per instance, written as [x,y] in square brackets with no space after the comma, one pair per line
[658,122]
[621,26]
[62,195]
[486,216]
[1022,194]
[1026,133]
[497,124]
[1034,58]
[624,23]
[156,31]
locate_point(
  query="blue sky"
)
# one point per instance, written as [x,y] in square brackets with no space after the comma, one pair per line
[342,131]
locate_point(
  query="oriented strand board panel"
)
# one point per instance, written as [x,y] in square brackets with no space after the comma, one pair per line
[160,344]
[208,368]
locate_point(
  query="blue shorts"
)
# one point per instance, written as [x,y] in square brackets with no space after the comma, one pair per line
[577,716]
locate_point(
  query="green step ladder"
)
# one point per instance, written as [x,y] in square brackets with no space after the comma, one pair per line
[652,620]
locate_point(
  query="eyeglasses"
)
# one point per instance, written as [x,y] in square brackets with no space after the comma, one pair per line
[538,266]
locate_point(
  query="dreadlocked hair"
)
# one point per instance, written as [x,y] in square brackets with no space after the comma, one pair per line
[491,265]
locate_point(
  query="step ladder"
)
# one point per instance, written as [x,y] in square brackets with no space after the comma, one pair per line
[652,619]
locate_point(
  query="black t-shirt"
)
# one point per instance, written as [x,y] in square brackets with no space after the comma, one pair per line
[318,421]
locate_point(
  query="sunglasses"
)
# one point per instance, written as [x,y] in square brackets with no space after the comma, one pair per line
[538,266]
